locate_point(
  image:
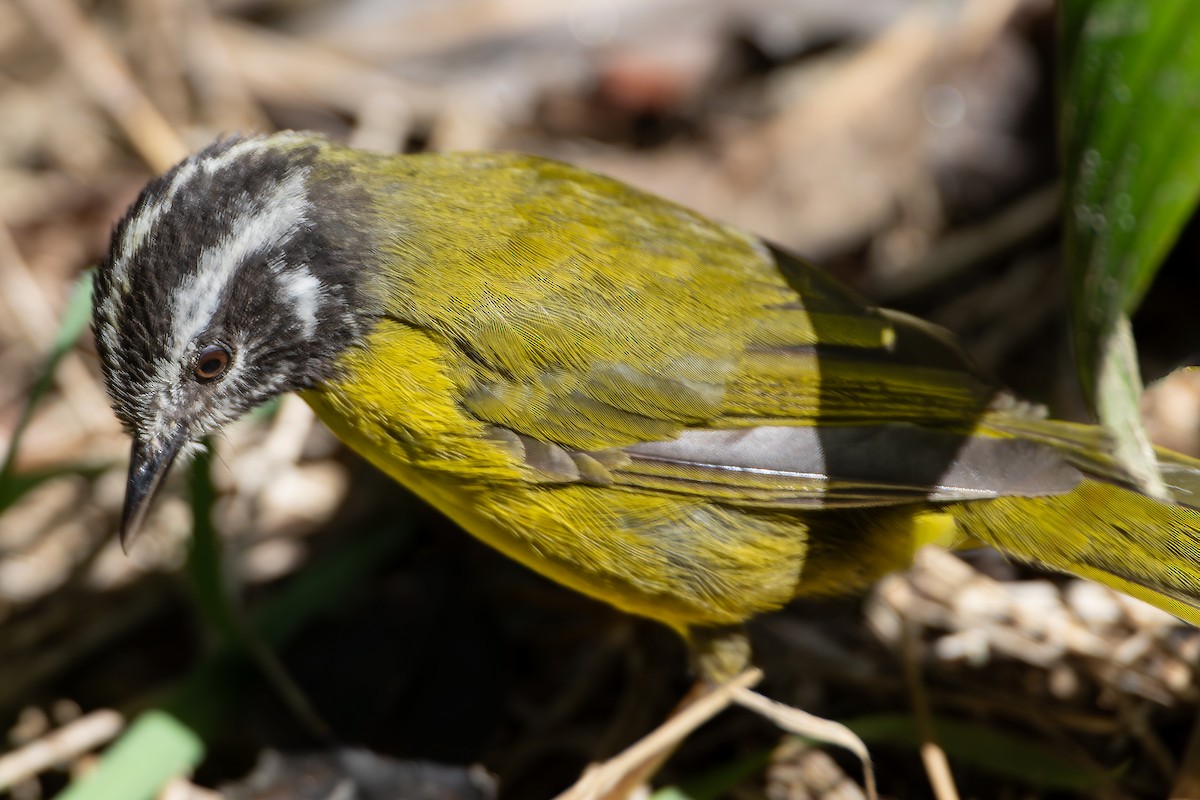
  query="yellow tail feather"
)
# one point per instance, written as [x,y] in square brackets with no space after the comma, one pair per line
[1104,532]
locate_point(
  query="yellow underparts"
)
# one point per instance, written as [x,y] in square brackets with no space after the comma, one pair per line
[681,560]
[636,550]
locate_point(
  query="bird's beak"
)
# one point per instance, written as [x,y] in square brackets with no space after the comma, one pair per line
[149,462]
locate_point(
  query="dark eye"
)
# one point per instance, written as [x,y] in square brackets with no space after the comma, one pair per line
[212,362]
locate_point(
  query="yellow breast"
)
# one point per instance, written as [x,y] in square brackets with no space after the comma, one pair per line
[679,560]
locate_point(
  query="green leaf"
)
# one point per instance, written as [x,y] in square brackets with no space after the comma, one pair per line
[205,568]
[76,316]
[983,746]
[154,749]
[170,739]
[16,485]
[1130,128]
[671,793]
[719,780]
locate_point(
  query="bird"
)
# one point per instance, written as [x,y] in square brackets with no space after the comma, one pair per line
[650,407]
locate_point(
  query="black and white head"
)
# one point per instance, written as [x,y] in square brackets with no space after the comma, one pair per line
[229,281]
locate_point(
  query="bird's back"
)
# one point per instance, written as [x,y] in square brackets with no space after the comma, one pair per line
[666,412]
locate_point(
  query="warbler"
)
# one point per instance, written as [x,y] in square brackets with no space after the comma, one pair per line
[653,408]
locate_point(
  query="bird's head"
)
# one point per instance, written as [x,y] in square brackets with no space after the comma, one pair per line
[233,278]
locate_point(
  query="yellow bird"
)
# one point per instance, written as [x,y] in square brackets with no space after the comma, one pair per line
[655,409]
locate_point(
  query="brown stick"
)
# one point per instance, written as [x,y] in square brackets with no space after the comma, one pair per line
[109,81]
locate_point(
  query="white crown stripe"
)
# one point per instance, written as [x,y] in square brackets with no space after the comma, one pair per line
[282,213]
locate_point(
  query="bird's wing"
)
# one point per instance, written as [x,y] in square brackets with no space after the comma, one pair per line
[885,416]
[612,337]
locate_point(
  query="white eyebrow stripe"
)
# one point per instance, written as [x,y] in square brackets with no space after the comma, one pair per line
[282,213]
[304,290]
[140,228]
[218,162]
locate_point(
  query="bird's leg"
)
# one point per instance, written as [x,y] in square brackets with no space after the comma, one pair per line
[720,652]
[616,778]
[721,658]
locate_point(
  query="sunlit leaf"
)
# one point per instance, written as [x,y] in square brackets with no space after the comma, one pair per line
[1130,126]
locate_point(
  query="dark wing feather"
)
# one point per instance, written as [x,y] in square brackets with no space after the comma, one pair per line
[622,339]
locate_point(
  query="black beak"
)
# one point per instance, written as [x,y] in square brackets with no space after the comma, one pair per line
[149,463]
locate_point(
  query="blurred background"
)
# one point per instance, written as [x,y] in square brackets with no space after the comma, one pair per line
[907,146]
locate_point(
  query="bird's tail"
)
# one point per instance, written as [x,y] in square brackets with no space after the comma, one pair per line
[1103,529]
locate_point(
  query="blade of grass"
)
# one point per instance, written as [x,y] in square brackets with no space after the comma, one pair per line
[169,740]
[75,320]
[718,781]
[218,604]
[204,568]
[1129,75]
[985,747]
[17,485]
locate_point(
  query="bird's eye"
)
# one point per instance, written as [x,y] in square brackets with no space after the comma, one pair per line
[212,362]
